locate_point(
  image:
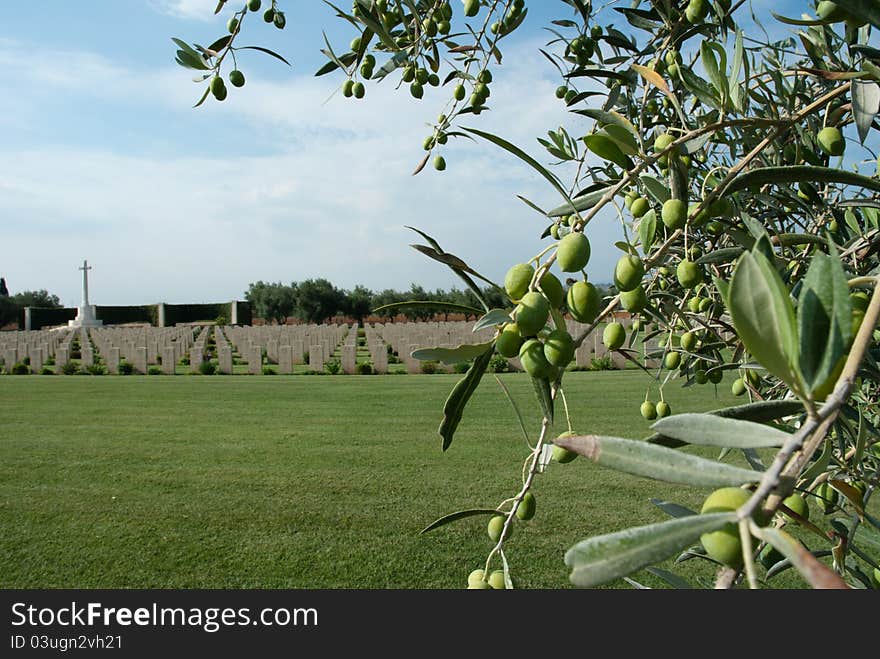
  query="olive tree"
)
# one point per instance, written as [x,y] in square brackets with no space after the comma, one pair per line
[746,189]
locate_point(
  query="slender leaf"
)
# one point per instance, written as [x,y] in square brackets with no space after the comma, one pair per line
[609,118]
[763,316]
[653,77]
[462,353]
[431,304]
[267,51]
[526,158]
[543,394]
[580,203]
[796,173]
[865,104]
[759,412]
[710,64]
[657,462]
[673,509]
[454,517]
[599,560]
[647,230]
[220,44]
[671,578]
[460,395]
[737,94]
[607,149]
[824,320]
[493,318]
[817,574]
[723,255]
[710,430]
[655,187]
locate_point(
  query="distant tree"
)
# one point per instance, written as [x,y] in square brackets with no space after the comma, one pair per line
[417,293]
[358,303]
[4,292]
[8,310]
[40,298]
[388,296]
[318,300]
[272,301]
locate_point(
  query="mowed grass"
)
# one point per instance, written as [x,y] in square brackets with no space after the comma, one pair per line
[301,482]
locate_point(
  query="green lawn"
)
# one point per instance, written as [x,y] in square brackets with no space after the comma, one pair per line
[300,482]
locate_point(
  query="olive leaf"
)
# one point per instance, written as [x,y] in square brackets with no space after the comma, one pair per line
[457,355]
[458,398]
[710,430]
[764,318]
[824,320]
[454,517]
[604,558]
[657,462]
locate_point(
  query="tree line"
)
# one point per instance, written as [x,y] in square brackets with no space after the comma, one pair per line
[318,301]
[11,305]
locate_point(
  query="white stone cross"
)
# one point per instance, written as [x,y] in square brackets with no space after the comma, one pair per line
[85,296]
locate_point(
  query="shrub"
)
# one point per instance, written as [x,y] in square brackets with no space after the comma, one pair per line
[332,367]
[47,371]
[429,367]
[96,369]
[70,368]
[364,369]
[221,320]
[21,369]
[125,368]
[268,370]
[499,364]
[50,361]
[209,368]
[154,370]
[602,364]
[462,367]
[184,360]
[26,361]
[361,332]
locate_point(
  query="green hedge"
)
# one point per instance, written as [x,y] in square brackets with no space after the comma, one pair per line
[245,313]
[146,313]
[192,313]
[47,316]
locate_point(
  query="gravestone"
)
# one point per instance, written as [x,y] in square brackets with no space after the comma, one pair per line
[36,355]
[380,360]
[412,365]
[87,356]
[298,348]
[140,359]
[113,361]
[10,359]
[195,359]
[224,357]
[62,356]
[255,360]
[316,357]
[285,359]
[349,359]
[169,360]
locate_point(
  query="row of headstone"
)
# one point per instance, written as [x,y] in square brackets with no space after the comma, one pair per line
[286,345]
[38,346]
[140,346]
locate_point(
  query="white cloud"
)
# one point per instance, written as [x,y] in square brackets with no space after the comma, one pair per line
[190,9]
[330,198]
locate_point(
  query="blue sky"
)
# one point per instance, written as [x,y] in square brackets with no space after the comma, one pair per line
[103,158]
